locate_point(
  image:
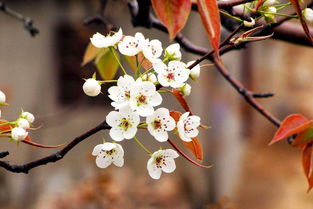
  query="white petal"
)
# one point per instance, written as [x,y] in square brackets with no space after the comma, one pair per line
[103,161]
[145,110]
[114,118]
[155,99]
[169,166]
[170,153]
[120,150]
[154,172]
[119,162]
[116,134]
[193,133]
[170,123]
[108,146]
[159,66]
[96,151]
[184,116]
[163,80]
[130,132]
[195,120]
[161,136]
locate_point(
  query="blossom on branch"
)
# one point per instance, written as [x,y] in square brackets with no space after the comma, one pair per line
[131,46]
[101,41]
[108,153]
[162,160]
[187,126]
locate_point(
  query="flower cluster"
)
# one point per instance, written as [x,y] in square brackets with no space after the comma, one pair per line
[139,96]
[17,129]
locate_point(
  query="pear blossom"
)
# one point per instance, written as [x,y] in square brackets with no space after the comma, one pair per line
[185,89]
[195,71]
[124,123]
[159,123]
[18,133]
[2,97]
[92,87]
[130,46]
[172,52]
[308,15]
[120,94]
[149,77]
[28,116]
[101,41]
[187,126]
[174,75]
[143,97]
[152,49]
[162,160]
[23,123]
[108,153]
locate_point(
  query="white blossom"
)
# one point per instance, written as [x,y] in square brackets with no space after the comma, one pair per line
[174,75]
[130,46]
[195,71]
[162,160]
[101,41]
[187,126]
[18,133]
[308,15]
[120,94]
[172,52]
[23,123]
[159,123]
[143,97]
[152,49]
[28,116]
[2,97]
[185,89]
[108,153]
[92,87]
[123,123]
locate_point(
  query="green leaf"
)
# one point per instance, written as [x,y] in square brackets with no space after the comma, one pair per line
[106,64]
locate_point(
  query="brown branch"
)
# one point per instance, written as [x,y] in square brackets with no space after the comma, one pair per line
[27,22]
[99,18]
[53,157]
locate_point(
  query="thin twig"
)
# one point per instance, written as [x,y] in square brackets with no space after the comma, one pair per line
[53,157]
[27,22]
[99,18]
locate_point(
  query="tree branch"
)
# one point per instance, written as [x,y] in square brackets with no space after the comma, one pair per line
[27,22]
[99,18]
[53,157]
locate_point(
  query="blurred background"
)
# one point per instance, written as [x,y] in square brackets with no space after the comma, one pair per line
[43,75]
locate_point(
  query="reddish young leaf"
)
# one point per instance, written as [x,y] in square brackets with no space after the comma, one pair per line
[293,124]
[208,10]
[173,14]
[305,27]
[180,98]
[141,59]
[307,162]
[194,146]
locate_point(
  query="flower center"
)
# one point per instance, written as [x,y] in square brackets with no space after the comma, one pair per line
[125,124]
[170,76]
[110,152]
[141,99]
[127,94]
[157,124]
[159,161]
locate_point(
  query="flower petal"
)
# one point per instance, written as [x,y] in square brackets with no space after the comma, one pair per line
[116,134]
[103,161]
[169,166]
[96,151]
[153,171]
[130,132]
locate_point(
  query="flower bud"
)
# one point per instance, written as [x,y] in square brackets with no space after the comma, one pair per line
[195,71]
[2,97]
[92,87]
[18,134]
[185,89]
[308,15]
[269,2]
[172,52]
[28,116]
[23,123]
[249,24]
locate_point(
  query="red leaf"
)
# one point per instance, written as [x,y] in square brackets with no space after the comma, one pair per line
[181,100]
[293,124]
[194,146]
[307,162]
[173,14]
[208,10]
[303,138]
[306,29]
